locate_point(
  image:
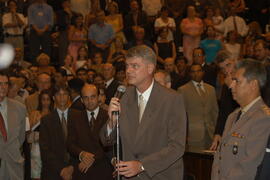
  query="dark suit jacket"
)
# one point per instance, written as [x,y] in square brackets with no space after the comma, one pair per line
[81,138]
[263,172]
[210,75]
[111,90]
[78,105]
[159,140]
[53,146]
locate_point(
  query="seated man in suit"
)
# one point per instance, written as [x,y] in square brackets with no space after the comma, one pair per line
[108,72]
[75,86]
[210,72]
[43,81]
[84,142]
[201,106]
[244,139]
[56,161]
[12,133]
[163,78]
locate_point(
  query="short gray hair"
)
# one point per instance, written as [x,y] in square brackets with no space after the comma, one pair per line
[144,52]
[254,70]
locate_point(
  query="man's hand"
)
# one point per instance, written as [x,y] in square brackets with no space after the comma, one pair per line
[215,143]
[83,167]
[129,168]
[87,158]
[113,106]
[66,173]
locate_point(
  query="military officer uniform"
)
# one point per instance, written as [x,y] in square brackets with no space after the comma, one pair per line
[243,143]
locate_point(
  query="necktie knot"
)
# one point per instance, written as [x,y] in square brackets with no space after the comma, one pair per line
[92,114]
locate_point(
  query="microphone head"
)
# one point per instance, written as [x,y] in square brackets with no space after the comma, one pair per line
[120,91]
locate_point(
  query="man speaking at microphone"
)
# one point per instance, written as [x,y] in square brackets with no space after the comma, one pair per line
[152,122]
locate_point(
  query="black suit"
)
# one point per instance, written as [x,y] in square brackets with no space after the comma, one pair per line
[210,75]
[111,90]
[263,172]
[78,105]
[82,138]
[53,147]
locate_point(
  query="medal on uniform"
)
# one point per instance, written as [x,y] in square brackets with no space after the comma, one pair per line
[235,149]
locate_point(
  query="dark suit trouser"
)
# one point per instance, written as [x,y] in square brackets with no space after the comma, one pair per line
[39,41]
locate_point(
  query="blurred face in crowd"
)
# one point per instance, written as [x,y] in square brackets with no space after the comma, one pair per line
[82,53]
[169,65]
[62,99]
[90,97]
[43,82]
[260,52]
[211,33]
[181,65]
[43,60]
[196,73]
[101,97]
[198,56]
[45,101]
[79,21]
[134,6]
[98,58]
[100,16]
[241,87]
[66,5]
[108,71]
[191,12]
[12,6]
[59,78]
[3,87]
[210,13]
[120,76]
[34,72]
[90,75]
[227,67]
[160,77]
[68,60]
[164,14]
[112,8]
[82,74]
[138,71]
[139,33]
[99,82]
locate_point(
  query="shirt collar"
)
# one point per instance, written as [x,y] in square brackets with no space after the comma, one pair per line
[147,92]
[109,82]
[60,113]
[196,83]
[247,107]
[95,115]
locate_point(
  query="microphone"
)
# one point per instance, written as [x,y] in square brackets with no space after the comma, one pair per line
[119,93]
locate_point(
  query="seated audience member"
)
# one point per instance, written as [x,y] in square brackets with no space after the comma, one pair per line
[84,142]
[136,17]
[13,26]
[81,73]
[90,74]
[170,68]
[244,138]
[43,82]
[97,62]
[210,45]
[117,51]
[210,72]
[43,61]
[261,52]
[19,59]
[100,35]
[12,122]
[163,78]
[201,106]
[163,47]
[111,84]
[56,161]
[183,70]
[75,86]
[164,21]
[99,81]
[68,65]
[60,77]
[139,34]
[120,73]
[232,45]
[82,57]
[45,106]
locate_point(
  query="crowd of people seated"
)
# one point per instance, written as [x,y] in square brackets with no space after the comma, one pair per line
[75,49]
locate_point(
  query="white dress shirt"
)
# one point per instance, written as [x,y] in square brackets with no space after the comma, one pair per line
[196,86]
[90,116]
[60,114]
[7,18]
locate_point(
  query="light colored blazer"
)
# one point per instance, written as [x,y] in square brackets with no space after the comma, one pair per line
[159,140]
[11,160]
[247,138]
[200,110]
[31,102]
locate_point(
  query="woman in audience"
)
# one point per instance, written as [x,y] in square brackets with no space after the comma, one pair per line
[164,21]
[210,45]
[97,62]
[192,28]
[164,48]
[117,52]
[68,65]
[77,36]
[232,46]
[43,61]
[209,14]
[82,57]
[45,106]
[116,20]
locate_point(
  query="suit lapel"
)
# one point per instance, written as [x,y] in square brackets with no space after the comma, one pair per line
[58,127]
[195,92]
[11,120]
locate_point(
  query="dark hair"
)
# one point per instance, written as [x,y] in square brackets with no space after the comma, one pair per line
[81,69]
[62,71]
[76,84]
[86,49]
[199,48]
[181,58]
[59,88]
[196,64]
[164,8]
[222,56]
[43,92]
